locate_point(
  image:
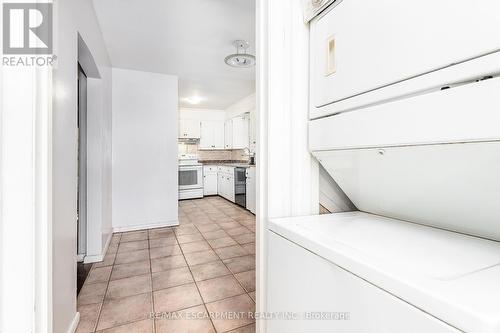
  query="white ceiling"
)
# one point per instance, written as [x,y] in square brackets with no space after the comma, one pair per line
[187,38]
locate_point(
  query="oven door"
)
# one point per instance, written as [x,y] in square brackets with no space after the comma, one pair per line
[190,177]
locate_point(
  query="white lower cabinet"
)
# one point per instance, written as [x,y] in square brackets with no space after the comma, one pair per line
[225,182]
[210,180]
[250,190]
[303,284]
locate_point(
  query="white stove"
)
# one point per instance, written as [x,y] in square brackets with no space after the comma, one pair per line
[190,177]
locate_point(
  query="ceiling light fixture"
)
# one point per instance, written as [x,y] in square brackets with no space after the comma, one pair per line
[193,100]
[240,59]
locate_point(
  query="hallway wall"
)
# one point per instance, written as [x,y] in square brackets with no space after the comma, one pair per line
[70,18]
[145,126]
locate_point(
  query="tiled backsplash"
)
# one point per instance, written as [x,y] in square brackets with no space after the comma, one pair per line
[213,155]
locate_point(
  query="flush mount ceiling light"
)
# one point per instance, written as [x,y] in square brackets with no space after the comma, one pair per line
[241,58]
[193,100]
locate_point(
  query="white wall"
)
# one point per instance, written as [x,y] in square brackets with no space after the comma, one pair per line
[246,104]
[201,114]
[70,18]
[145,126]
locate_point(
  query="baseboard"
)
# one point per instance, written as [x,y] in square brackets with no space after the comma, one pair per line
[108,241]
[74,324]
[146,226]
[99,257]
[93,259]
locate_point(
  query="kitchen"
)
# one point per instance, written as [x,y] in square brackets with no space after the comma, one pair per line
[217,153]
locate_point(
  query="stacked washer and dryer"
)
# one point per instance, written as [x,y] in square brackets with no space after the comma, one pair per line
[405,117]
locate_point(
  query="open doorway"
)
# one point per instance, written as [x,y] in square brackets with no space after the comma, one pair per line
[82,269]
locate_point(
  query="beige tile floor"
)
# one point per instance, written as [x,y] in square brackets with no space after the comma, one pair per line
[202,272]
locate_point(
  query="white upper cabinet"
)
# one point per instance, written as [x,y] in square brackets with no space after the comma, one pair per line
[240,135]
[212,135]
[189,129]
[228,134]
[358,46]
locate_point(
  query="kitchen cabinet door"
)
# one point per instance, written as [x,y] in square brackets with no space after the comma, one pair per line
[240,132]
[189,129]
[228,134]
[230,189]
[212,135]
[210,181]
[220,184]
[218,135]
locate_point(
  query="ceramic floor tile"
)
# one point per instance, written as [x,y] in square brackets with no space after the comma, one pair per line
[215,234]
[98,274]
[238,231]
[108,260]
[247,280]
[195,247]
[133,256]
[125,310]
[113,248]
[208,227]
[133,246]
[230,252]
[171,278]
[176,298]
[143,326]
[161,233]
[88,318]
[219,288]
[186,230]
[189,238]
[166,263]
[252,295]
[240,264]
[164,251]
[246,329]
[238,304]
[160,242]
[128,270]
[229,225]
[209,270]
[250,248]
[134,236]
[192,320]
[92,293]
[221,242]
[197,258]
[130,286]
[245,238]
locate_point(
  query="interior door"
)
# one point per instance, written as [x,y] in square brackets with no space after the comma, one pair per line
[82,164]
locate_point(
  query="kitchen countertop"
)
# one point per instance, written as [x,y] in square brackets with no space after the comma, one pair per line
[236,164]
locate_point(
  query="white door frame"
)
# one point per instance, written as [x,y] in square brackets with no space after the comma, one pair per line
[287,174]
[25,200]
